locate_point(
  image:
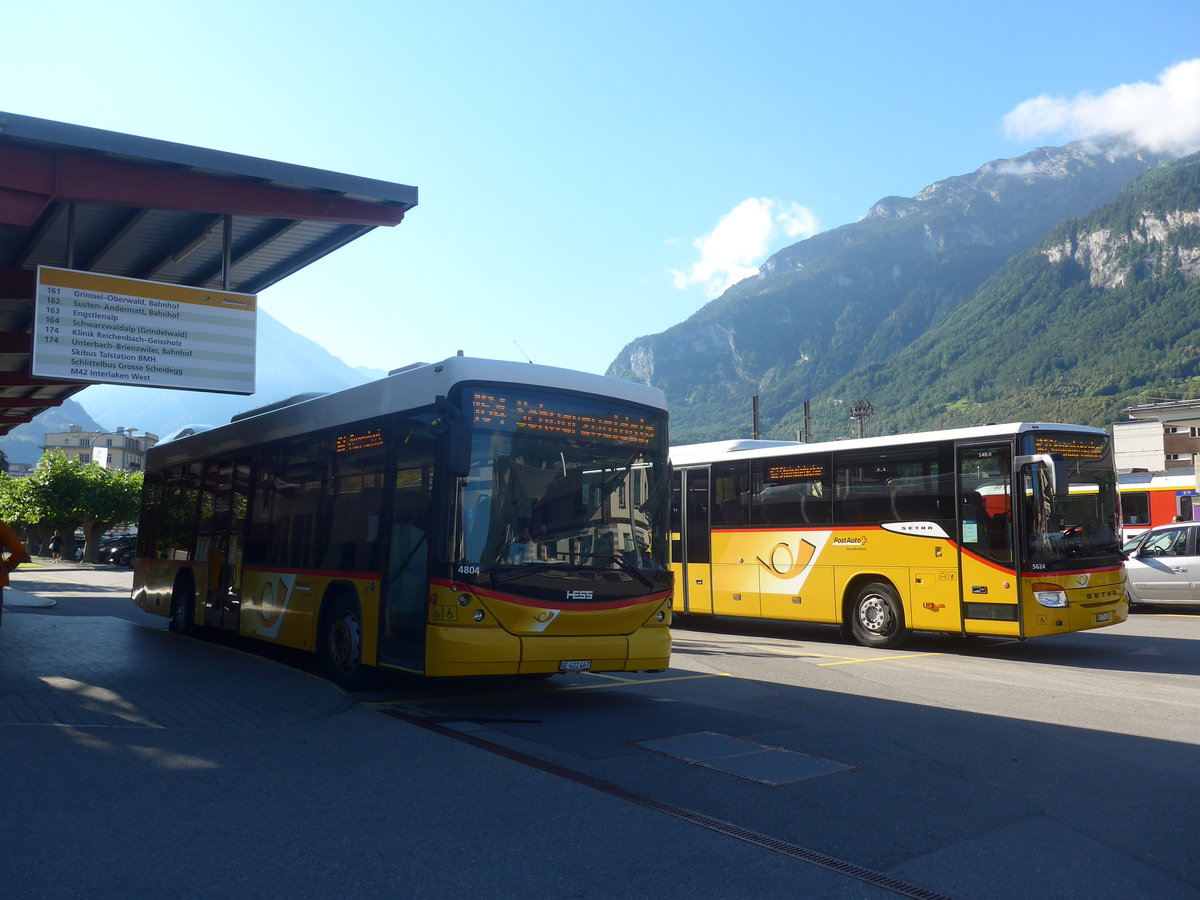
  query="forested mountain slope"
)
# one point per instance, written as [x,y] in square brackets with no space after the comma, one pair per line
[824,316]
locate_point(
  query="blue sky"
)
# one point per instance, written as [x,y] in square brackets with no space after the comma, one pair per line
[593,172]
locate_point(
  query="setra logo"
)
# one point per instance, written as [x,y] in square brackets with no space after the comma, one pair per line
[579,595]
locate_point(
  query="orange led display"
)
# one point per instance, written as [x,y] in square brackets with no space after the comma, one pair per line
[543,415]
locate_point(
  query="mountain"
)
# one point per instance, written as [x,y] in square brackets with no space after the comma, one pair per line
[287,364]
[24,443]
[825,313]
[1102,314]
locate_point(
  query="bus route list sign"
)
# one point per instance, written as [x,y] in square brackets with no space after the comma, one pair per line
[111,330]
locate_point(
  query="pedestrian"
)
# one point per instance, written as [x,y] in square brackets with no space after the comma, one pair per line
[55,545]
[17,554]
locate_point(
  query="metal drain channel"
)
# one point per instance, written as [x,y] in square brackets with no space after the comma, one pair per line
[775,845]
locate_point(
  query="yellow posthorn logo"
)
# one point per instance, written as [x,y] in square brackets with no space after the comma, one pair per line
[784,563]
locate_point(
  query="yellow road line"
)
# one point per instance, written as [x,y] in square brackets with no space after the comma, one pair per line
[640,681]
[850,662]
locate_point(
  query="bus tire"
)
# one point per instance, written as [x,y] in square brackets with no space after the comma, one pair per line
[183,604]
[339,645]
[877,617]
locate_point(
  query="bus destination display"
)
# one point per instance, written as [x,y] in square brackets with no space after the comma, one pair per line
[112,330]
[511,412]
[1071,446]
[795,472]
[353,441]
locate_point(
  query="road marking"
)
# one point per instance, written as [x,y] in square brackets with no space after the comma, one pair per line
[611,681]
[850,662]
[640,681]
[839,660]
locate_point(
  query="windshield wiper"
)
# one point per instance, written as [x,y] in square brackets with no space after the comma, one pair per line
[519,571]
[629,568]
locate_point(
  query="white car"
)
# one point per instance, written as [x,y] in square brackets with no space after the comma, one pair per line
[1163,565]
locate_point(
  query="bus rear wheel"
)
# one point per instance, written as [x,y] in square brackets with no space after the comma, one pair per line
[339,646]
[877,618]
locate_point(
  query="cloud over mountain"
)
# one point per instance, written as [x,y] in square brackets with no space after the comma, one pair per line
[742,238]
[1163,117]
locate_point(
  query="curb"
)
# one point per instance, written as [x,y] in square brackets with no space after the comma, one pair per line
[15,599]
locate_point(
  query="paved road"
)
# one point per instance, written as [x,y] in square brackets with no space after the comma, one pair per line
[768,759]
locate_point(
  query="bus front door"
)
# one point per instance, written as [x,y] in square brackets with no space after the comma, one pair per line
[987,558]
[224,501]
[406,568]
[692,546]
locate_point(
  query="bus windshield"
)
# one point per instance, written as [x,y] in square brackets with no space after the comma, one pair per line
[563,481]
[1062,526]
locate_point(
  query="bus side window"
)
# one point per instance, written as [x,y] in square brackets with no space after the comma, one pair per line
[283,531]
[180,496]
[1135,507]
[731,486]
[985,507]
[356,491]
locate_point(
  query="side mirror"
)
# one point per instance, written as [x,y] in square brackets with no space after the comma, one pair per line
[458,460]
[452,427]
[1056,471]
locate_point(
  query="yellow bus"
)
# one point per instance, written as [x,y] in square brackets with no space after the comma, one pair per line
[1007,530]
[469,517]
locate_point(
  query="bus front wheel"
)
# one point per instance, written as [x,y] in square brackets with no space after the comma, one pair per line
[339,646]
[877,618]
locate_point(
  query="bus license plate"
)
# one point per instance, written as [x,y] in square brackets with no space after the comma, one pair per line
[1103,617]
[574,665]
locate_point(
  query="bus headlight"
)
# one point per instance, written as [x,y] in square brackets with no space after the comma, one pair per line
[477,615]
[1051,596]
[661,616]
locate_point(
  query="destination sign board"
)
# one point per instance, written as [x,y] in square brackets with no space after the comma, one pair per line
[111,330]
[513,411]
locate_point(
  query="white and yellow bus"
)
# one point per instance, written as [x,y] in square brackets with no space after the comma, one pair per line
[469,517]
[1009,530]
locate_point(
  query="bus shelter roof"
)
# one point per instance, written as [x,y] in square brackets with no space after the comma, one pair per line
[116,204]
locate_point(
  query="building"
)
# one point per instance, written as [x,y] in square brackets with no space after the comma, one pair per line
[120,449]
[1158,437]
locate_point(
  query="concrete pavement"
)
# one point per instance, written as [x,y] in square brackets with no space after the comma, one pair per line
[136,762]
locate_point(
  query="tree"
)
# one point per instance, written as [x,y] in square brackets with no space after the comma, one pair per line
[39,504]
[63,495]
[107,497]
[13,505]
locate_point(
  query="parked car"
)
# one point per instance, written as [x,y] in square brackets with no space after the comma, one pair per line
[80,546]
[117,551]
[1163,564]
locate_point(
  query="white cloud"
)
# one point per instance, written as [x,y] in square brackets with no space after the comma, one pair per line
[1163,117]
[741,240]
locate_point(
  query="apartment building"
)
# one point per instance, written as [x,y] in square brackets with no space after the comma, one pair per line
[120,449]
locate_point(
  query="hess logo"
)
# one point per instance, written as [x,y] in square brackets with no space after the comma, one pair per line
[784,562]
[579,595]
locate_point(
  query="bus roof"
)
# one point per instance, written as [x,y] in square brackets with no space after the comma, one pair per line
[718,451]
[411,387]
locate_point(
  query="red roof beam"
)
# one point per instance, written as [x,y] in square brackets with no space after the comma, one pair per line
[26,173]
[29,402]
